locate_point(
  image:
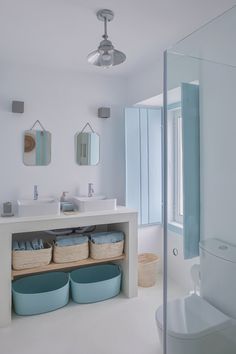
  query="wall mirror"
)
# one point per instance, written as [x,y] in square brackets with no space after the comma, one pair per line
[87,147]
[37,147]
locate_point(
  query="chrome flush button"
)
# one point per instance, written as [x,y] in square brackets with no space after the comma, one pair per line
[175,251]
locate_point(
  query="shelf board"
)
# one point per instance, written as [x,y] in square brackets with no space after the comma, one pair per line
[59,266]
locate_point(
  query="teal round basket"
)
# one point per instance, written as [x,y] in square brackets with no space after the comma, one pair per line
[95,283]
[41,293]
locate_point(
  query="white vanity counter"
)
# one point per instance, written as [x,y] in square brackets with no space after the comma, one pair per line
[122,219]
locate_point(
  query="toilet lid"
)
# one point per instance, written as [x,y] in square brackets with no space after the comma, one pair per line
[192,317]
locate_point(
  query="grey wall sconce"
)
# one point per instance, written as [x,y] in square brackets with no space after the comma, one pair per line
[17,107]
[104,112]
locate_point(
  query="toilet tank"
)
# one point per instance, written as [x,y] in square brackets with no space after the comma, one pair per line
[218,275]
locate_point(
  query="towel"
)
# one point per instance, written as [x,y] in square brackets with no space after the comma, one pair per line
[62,241]
[15,246]
[28,246]
[40,242]
[37,244]
[22,245]
[107,237]
[67,206]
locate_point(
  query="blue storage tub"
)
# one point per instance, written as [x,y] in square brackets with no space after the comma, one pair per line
[41,293]
[95,283]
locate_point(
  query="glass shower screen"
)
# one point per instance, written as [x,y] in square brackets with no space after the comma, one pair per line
[200,192]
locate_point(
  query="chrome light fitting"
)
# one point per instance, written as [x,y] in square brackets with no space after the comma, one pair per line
[106,55]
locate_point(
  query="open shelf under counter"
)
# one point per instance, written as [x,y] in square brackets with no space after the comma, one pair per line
[63,266]
[122,219]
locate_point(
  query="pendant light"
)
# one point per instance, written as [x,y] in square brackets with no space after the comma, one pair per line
[106,55]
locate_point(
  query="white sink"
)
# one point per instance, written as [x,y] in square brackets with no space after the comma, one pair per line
[39,207]
[95,203]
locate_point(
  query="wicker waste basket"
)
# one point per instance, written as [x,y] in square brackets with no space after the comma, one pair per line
[147,269]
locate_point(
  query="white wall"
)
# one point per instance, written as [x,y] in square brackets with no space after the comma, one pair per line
[217,155]
[178,267]
[146,83]
[142,85]
[150,240]
[218,147]
[63,102]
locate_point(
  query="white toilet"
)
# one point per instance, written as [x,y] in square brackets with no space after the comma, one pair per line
[205,324]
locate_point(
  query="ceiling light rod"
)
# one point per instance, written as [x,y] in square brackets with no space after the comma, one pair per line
[105,16]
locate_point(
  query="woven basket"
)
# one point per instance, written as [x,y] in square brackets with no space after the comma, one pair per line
[106,250]
[147,269]
[70,253]
[32,259]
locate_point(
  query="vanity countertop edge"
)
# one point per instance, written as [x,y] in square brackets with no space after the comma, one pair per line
[120,210]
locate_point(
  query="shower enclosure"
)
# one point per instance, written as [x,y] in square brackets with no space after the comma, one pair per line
[200,191]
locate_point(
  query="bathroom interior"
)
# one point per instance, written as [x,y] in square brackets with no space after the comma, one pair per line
[140,152]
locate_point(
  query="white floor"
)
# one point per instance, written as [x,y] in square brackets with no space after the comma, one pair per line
[116,326]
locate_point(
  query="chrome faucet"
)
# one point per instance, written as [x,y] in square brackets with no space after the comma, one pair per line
[90,190]
[36,194]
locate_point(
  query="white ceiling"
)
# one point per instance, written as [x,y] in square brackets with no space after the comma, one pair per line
[60,33]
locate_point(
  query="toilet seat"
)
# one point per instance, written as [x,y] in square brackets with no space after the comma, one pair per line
[192,317]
